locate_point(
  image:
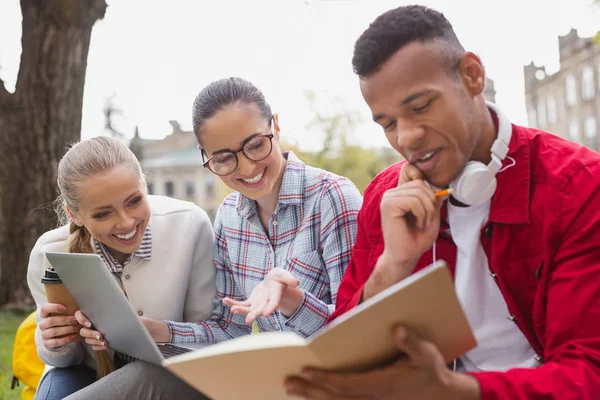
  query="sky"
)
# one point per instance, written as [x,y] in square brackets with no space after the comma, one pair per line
[154,56]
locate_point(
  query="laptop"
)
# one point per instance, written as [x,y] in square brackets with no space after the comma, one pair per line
[102,300]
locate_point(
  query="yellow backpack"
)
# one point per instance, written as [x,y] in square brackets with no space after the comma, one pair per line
[27,366]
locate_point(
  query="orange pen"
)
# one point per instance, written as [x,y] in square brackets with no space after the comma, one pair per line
[443,193]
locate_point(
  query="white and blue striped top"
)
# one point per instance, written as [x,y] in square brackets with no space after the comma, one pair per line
[114,266]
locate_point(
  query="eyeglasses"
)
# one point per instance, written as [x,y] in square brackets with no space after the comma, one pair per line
[256,148]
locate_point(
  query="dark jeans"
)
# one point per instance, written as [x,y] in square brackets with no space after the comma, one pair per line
[61,382]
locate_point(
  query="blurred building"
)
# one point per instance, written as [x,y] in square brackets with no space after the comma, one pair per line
[567,103]
[173,167]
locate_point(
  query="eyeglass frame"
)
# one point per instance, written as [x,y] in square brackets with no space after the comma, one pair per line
[269,136]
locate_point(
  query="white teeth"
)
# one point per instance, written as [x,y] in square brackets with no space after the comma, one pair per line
[128,236]
[255,179]
[427,156]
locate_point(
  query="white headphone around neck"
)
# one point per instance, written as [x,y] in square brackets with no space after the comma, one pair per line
[476,183]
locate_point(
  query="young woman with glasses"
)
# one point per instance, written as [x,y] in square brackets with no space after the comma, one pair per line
[283,238]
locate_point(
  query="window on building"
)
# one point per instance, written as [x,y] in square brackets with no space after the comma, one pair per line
[574,133]
[541,114]
[588,89]
[150,188]
[169,189]
[190,188]
[591,131]
[560,106]
[551,108]
[571,90]
[532,117]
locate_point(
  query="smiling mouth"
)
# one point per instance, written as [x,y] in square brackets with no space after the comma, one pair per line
[426,156]
[255,179]
[128,236]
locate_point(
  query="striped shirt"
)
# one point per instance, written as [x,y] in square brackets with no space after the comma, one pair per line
[311,235]
[113,265]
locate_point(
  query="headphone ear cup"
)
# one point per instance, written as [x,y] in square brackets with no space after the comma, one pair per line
[475,185]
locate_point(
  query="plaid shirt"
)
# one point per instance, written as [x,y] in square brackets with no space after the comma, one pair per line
[311,235]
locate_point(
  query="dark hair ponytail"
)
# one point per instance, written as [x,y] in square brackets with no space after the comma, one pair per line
[80,241]
[223,93]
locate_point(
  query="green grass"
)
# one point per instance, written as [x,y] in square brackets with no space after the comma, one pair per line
[9,322]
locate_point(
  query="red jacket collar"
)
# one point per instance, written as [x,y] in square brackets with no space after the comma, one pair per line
[512,199]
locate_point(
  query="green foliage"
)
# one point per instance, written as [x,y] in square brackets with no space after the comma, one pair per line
[354,162]
[339,154]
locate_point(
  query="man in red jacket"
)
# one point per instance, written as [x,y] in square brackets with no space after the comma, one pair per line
[520,232]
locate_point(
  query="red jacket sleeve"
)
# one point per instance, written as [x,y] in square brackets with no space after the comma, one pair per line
[368,244]
[369,241]
[351,288]
[571,369]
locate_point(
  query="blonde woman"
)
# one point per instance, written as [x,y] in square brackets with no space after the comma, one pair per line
[160,250]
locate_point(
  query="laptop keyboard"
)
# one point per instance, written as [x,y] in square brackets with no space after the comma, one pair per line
[169,350]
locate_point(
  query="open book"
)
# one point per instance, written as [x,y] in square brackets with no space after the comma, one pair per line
[255,366]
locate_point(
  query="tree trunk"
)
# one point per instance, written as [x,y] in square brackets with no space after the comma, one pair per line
[36,124]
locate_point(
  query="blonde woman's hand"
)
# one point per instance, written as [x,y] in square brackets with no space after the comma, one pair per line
[57,330]
[277,291]
[91,336]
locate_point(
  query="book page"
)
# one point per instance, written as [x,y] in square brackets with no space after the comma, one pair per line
[263,340]
[248,369]
[255,366]
[425,302]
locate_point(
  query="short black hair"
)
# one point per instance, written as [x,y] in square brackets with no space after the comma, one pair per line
[395,29]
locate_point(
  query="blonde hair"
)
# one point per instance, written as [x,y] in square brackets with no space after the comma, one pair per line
[82,161]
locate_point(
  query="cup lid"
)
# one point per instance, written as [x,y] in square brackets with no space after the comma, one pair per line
[50,276]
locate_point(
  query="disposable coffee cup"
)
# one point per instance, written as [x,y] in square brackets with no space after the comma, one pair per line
[57,293]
